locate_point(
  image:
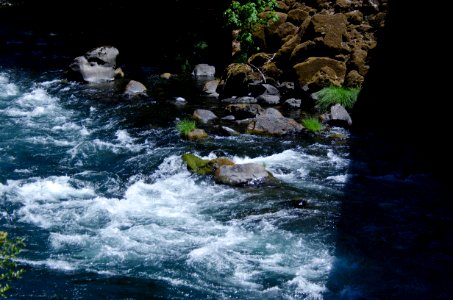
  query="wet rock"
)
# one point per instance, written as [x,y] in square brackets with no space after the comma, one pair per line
[204,116]
[197,134]
[243,111]
[97,65]
[268,99]
[135,88]
[201,166]
[243,174]
[203,70]
[273,123]
[339,116]
[210,87]
[292,103]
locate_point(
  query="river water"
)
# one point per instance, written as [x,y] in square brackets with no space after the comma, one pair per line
[95,183]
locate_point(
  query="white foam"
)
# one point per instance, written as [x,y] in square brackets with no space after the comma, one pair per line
[49,82]
[54,264]
[7,89]
[343,178]
[59,240]
[48,190]
[123,137]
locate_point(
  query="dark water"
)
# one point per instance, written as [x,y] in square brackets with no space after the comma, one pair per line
[95,184]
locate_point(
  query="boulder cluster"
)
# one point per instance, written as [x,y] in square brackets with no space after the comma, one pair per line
[313,44]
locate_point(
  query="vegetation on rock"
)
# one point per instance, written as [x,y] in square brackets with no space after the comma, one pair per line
[185,127]
[312,124]
[332,95]
[245,16]
[8,268]
[201,166]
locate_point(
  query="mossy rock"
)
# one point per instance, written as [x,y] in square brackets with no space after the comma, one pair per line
[197,165]
[201,166]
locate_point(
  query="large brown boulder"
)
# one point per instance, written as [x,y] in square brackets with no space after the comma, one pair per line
[320,72]
[331,27]
[234,81]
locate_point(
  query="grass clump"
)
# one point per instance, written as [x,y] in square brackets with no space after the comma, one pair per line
[186,126]
[312,124]
[332,95]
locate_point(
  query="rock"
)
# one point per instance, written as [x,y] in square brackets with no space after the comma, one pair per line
[268,99]
[197,134]
[354,79]
[229,118]
[240,100]
[203,70]
[243,174]
[358,59]
[196,164]
[339,116]
[97,65]
[204,116]
[166,76]
[321,72]
[119,73]
[271,123]
[91,72]
[201,166]
[105,55]
[270,70]
[210,87]
[272,112]
[292,103]
[259,88]
[243,111]
[298,15]
[226,131]
[235,80]
[302,51]
[134,88]
[331,27]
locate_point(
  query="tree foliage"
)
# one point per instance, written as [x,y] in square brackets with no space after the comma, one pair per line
[8,268]
[245,16]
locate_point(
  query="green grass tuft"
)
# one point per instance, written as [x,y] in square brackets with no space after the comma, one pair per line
[186,126]
[332,95]
[312,124]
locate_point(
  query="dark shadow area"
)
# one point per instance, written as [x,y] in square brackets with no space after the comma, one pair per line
[172,34]
[395,235]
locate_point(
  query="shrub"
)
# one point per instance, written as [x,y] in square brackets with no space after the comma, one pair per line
[245,16]
[312,124]
[8,267]
[185,126]
[332,95]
